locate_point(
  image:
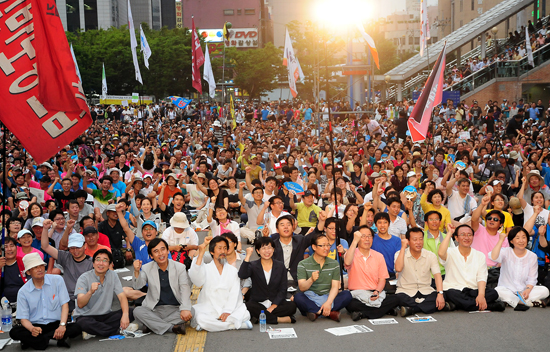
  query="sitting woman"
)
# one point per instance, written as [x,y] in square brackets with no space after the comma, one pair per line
[269,285]
[220,224]
[519,271]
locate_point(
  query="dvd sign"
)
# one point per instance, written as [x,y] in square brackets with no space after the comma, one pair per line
[243,38]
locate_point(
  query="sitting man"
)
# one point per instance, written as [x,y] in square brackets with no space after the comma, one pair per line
[75,262]
[94,292]
[367,274]
[319,283]
[167,306]
[43,308]
[466,274]
[220,304]
[416,266]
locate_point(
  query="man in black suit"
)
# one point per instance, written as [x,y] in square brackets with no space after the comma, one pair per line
[289,247]
[269,285]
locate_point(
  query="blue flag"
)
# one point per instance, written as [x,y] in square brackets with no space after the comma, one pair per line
[180,102]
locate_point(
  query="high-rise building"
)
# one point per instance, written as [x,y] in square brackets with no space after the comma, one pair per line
[94,14]
[412,7]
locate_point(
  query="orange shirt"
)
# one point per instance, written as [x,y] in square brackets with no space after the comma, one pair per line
[99,246]
[364,273]
[168,193]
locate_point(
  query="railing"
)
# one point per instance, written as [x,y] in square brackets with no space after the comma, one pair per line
[501,69]
[498,46]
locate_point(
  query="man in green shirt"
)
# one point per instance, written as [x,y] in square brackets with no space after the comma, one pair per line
[319,283]
[308,213]
[432,236]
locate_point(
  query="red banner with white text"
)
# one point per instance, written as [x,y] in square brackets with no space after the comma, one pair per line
[41,99]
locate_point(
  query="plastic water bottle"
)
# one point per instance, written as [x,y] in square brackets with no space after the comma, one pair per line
[6,315]
[262,321]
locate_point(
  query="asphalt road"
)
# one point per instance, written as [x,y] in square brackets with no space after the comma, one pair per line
[453,331]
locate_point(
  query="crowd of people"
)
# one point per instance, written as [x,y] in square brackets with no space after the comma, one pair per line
[370,221]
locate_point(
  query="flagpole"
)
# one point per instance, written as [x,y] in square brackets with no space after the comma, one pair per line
[333,167]
[4,188]
[223,80]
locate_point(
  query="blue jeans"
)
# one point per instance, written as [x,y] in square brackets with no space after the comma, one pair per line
[305,305]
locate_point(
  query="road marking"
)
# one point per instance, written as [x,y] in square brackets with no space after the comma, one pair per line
[193,340]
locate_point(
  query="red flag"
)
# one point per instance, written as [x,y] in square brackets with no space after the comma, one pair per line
[41,97]
[419,121]
[197,58]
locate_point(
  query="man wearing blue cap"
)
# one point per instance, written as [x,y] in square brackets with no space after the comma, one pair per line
[149,232]
[75,262]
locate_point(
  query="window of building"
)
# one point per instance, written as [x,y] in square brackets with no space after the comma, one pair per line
[228,12]
[249,11]
[411,39]
[239,12]
[416,40]
[473,4]
[461,5]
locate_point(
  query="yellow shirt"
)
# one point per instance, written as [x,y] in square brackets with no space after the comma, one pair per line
[445,213]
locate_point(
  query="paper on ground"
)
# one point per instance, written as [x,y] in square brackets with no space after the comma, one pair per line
[127,278]
[421,319]
[383,321]
[286,333]
[348,330]
[4,342]
[121,270]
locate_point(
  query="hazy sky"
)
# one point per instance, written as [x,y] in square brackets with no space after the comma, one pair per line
[389,7]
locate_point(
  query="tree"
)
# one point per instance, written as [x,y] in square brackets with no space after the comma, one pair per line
[169,70]
[256,70]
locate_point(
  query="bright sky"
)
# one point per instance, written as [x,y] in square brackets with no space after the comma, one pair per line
[396,5]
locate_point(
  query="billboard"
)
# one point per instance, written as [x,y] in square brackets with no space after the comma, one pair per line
[238,37]
[179,14]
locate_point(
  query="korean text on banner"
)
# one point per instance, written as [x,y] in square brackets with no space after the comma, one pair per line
[41,98]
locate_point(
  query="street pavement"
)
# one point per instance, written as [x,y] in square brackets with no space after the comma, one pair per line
[453,331]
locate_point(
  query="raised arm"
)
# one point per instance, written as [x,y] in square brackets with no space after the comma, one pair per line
[479,211]
[350,253]
[45,240]
[495,253]
[522,191]
[64,241]
[50,189]
[400,259]
[442,252]
[124,224]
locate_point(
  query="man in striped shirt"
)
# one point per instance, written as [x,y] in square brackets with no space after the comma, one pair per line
[319,283]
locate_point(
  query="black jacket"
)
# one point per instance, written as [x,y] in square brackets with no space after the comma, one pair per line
[299,246]
[260,291]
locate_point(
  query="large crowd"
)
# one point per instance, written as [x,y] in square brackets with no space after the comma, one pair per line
[370,221]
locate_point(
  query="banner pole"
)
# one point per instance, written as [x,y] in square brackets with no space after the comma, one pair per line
[4,187]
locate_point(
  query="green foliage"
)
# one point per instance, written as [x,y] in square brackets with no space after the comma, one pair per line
[169,65]
[256,71]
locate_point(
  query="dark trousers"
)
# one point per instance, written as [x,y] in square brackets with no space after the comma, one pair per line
[305,305]
[389,303]
[42,341]
[102,325]
[466,299]
[285,309]
[426,306]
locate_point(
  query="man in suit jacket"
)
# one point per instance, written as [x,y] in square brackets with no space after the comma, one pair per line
[167,305]
[289,247]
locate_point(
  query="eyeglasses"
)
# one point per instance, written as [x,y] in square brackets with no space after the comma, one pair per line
[466,235]
[59,219]
[493,219]
[331,228]
[99,260]
[278,203]
[434,220]
[324,245]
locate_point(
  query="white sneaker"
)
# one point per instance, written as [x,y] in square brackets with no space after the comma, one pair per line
[132,327]
[247,325]
[198,328]
[86,336]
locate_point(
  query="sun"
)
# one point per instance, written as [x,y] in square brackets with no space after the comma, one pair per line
[342,13]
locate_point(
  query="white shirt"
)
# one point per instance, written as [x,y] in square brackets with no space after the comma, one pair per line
[460,273]
[542,218]
[516,273]
[455,204]
[398,227]
[187,237]
[273,220]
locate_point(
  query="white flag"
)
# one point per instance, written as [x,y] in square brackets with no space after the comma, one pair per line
[133,43]
[76,64]
[144,47]
[208,75]
[528,48]
[424,26]
[292,65]
[103,84]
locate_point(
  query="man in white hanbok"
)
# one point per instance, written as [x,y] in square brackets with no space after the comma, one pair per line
[220,304]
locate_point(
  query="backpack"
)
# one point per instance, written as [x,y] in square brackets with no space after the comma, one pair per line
[118,258]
